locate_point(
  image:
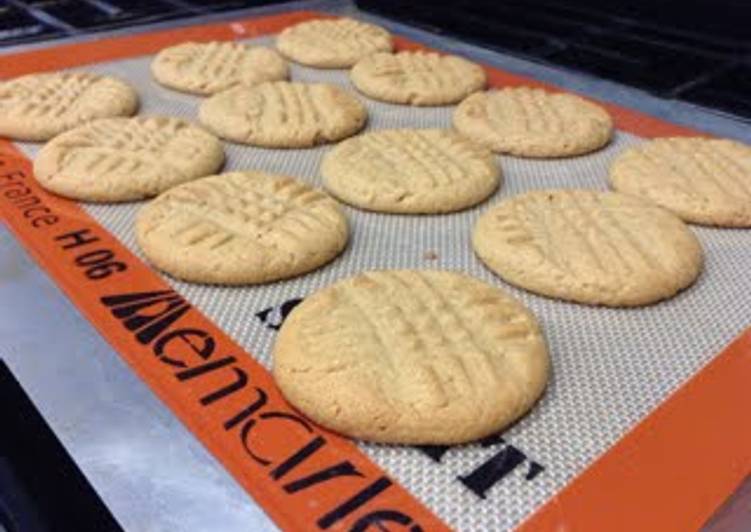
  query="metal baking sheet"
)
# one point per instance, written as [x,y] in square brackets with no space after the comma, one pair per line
[611,367]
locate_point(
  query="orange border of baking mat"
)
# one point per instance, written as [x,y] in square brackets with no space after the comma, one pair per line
[674,468]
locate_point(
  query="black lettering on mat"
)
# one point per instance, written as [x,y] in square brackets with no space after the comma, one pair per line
[97,263]
[273,317]
[188,354]
[484,475]
[487,474]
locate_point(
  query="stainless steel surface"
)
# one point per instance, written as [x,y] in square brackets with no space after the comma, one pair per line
[735,514]
[148,469]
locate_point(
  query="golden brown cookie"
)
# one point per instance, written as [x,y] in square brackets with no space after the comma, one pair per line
[417,78]
[211,67]
[124,159]
[533,123]
[332,43]
[600,248]
[404,356]
[39,106]
[704,181]
[241,228]
[410,171]
[284,114]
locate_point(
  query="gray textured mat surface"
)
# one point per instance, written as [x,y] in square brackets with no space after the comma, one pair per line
[610,367]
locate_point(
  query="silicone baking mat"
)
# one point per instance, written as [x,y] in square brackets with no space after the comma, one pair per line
[642,417]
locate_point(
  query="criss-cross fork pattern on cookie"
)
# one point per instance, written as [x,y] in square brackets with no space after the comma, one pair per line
[207,68]
[410,171]
[121,159]
[411,356]
[241,227]
[706,181]
[588,246]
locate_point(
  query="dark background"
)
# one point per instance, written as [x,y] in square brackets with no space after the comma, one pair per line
[698,51]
